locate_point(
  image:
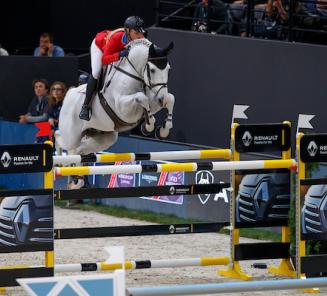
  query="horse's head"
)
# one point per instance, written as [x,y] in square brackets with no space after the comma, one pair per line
[151,64]
[157,71]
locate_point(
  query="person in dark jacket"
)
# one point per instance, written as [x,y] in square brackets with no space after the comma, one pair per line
[38,108]
[218,16]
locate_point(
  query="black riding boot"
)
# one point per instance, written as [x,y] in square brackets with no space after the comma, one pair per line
[86,111]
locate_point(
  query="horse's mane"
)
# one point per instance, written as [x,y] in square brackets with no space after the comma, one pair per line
[138,42]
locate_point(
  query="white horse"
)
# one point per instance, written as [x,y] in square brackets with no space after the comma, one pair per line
[133,88]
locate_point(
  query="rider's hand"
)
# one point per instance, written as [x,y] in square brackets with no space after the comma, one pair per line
[123,53]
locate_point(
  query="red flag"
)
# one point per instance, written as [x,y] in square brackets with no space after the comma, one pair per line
[44,129]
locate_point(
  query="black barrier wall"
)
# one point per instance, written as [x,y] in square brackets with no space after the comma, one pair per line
[211,73]
[73,23]
[17,74]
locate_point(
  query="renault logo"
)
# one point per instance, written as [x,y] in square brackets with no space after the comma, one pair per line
[204,177]
[172,229]
[172,190]
[312,148]
[247,138]
[5,159]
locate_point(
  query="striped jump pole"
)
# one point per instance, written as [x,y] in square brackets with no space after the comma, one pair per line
[177,167]
[142,264]
[164,155]
[237,287]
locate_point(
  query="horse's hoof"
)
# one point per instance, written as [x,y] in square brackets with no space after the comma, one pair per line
[144,131]
[161,133]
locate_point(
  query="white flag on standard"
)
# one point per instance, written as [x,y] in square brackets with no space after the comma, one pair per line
[239,112]
[116,254]
[304,121]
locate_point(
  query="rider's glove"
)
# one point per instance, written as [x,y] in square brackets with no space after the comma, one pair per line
[123,53]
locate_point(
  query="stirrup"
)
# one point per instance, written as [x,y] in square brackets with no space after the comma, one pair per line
[85,113]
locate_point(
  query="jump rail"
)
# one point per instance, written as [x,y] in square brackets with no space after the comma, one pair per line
[201,289]
[142,264]
[164,155]
[121,192]
[177,167]
[138,230]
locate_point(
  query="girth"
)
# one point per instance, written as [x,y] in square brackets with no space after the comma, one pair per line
[119,123]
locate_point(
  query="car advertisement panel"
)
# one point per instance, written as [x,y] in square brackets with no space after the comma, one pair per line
[262,198]
[26,223]
[313,203]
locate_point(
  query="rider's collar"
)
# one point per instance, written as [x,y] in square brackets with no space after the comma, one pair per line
[124,39]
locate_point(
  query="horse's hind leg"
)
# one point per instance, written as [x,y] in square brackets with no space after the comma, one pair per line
[97,142]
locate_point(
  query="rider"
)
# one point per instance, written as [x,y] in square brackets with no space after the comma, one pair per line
[108,47]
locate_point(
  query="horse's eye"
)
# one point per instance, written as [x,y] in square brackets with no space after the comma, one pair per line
[152,70]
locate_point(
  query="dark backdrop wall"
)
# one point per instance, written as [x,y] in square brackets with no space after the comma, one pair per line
[17,74]
[211,73]
[73,23]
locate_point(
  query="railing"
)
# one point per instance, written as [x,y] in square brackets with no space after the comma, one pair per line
[292,20]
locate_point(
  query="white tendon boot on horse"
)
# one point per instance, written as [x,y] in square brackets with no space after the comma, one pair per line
[150,127]
[76,183]
[162,132]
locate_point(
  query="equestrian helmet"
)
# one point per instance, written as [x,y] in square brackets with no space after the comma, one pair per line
[135,23]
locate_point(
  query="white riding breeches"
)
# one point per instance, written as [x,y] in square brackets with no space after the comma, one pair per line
[96,60]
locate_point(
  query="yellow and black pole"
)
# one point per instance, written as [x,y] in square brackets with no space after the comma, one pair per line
[234,270]
[285,268]
[48,184]
[300,244]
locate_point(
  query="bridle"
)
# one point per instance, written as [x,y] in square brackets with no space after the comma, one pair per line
[140,78]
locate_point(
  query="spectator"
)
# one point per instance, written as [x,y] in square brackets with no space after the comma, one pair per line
[3,52]
[218,16]
[57,93]
[268,19]
[236,15]
[37,110]
[47,48]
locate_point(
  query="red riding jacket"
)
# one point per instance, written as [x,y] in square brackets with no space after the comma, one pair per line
[110,44]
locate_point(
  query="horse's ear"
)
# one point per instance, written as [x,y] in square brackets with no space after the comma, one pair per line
[152,51]
[168,49]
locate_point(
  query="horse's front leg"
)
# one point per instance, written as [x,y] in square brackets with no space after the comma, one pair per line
[168,103]
[149,122]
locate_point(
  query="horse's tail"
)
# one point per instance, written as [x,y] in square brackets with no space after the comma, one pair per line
[69,123]
[58,142]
